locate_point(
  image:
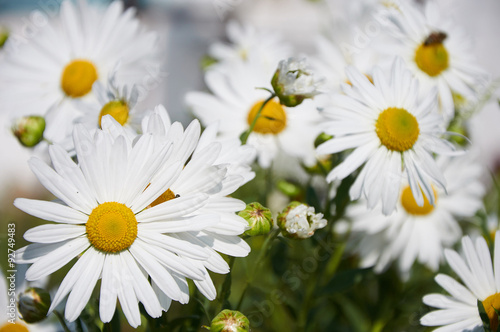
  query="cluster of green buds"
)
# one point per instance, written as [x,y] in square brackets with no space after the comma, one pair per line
[29,130]
[293,82]
[34,304]
[259,218]
[299,221]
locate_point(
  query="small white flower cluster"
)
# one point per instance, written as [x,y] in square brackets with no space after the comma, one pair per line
[297,78]
[303,222]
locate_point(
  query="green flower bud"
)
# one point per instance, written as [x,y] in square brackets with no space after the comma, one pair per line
[34,303]
[293,82]
[230,321]
[298,221]
[4,35]
[259,219]
[29,130]
[288,188]
[322,138]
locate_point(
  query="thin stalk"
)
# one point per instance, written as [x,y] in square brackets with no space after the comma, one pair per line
[247,133]
[258,263]
[61,320]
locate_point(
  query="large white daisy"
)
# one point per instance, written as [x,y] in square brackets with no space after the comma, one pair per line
[391,132]
[459,310]
[80,46]
[437,52]
[419,233]
[119,212]
[236,100]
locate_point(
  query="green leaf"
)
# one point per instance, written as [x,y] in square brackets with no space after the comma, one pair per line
[343,280]
[484,316]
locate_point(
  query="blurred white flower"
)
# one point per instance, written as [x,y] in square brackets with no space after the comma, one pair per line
[46,74]
[235,102]
[246,41]
[438,53]
[418,233]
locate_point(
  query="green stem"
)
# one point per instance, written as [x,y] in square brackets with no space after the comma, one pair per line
[61,320]
[226,286]
[245,135]
[258,263]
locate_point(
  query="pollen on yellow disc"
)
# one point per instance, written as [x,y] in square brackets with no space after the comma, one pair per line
[111,227]
[118,109]
[491,303]
[272,119]
[77,78]
[432,59]
[397,129]
[17,327]
[166,196]
[410,204]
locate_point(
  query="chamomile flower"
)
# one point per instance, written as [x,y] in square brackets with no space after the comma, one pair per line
[438,53]
[77,48]
[118,213]
[235,101]
[247,41]
[117,100]
[392,134]
[481,282]
[419,233]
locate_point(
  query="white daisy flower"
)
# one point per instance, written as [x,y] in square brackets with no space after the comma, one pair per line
[246,41]
[419,233]
[117,100]
[437,52]
[481,281]
[74,50]
[391,133]
[118,212]
[235,102]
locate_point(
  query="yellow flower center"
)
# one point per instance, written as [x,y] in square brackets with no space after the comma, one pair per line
[111,227]
[491,303]
[166,196]
[272,119]
[431,56]
[411,206]
[17,327]
[397,129]
[118,109]
[78,77]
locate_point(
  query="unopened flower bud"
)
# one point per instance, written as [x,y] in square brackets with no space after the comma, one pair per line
[259,219]
[298,221]
[4,35]
[34,303]
[230,321]
[289,188]
[322,138]
[293,82]
[29,130]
